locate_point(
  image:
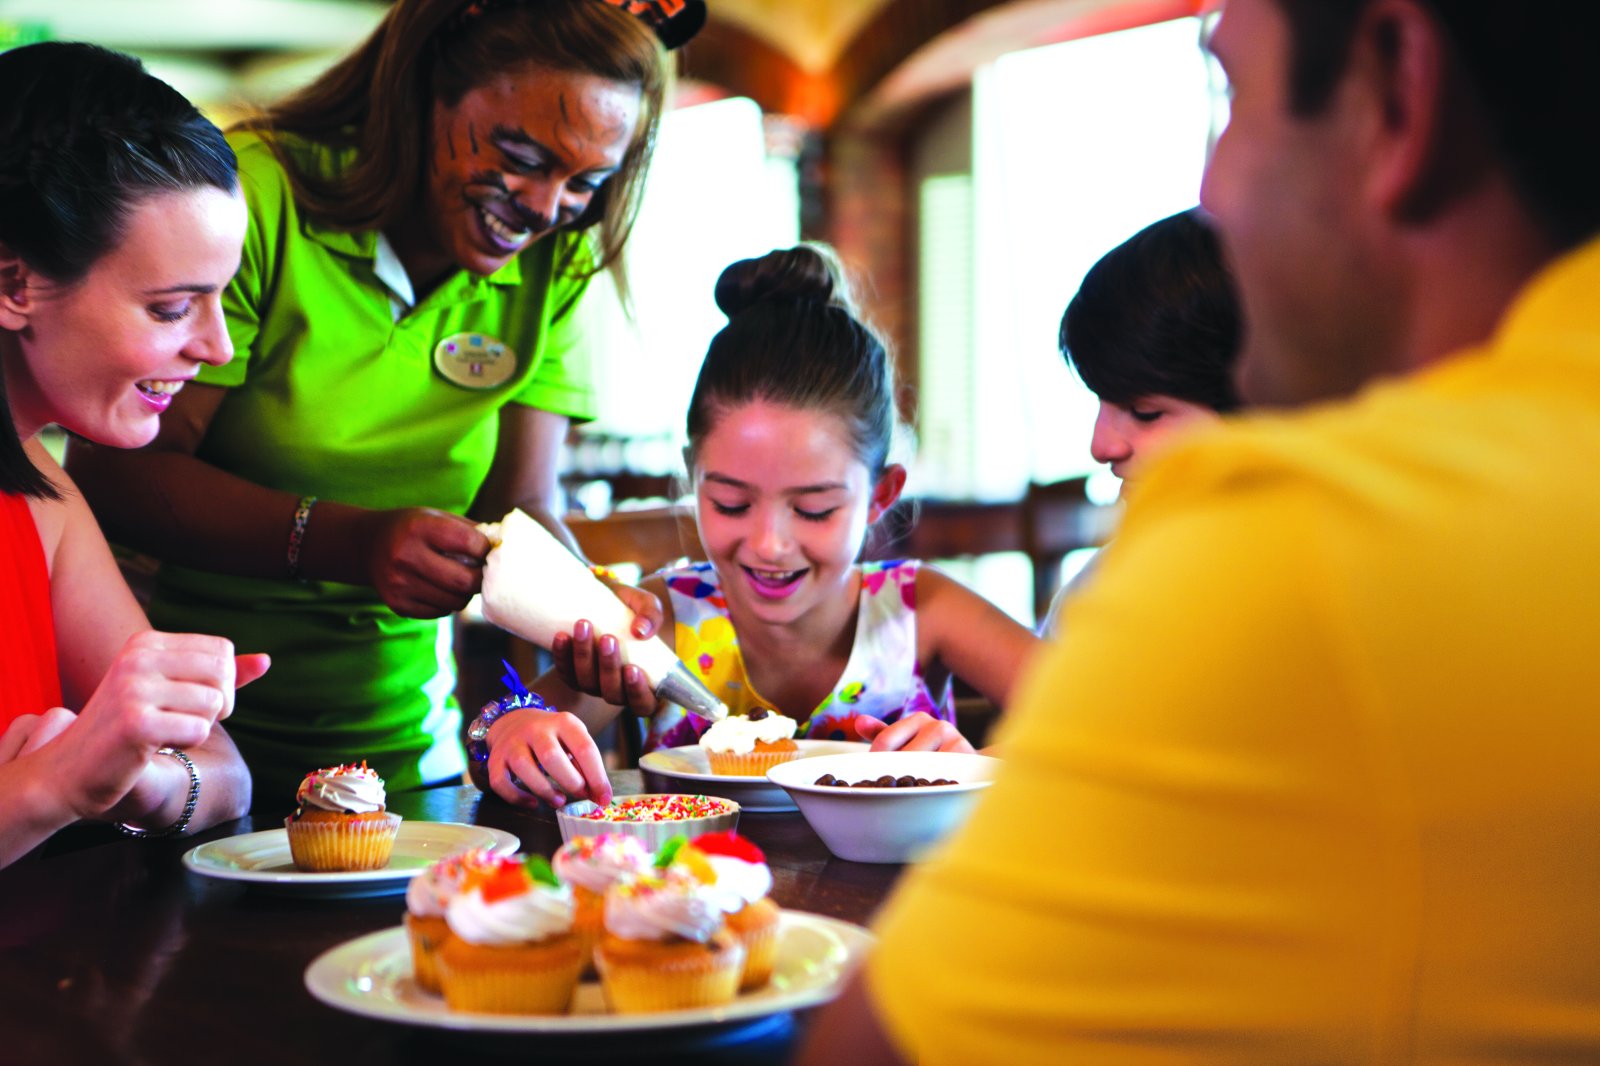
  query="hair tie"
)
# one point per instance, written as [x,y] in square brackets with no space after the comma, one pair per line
[674,21]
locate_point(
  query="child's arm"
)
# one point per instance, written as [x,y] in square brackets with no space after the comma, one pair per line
[553,755]
[972,639]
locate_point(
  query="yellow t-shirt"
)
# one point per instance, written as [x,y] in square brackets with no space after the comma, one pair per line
[1314,776]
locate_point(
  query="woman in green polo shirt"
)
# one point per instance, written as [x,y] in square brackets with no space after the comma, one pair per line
[424,221]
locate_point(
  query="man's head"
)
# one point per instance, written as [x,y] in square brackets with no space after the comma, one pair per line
[1371,142]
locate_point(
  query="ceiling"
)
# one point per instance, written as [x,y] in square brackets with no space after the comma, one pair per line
[216,50]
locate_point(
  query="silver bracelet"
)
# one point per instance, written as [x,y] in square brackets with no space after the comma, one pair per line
[188,805]
[297,533]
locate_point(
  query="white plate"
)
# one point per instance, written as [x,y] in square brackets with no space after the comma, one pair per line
[371,976]
[263,859]
[673,768]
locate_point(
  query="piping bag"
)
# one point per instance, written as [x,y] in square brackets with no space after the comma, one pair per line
[534,587]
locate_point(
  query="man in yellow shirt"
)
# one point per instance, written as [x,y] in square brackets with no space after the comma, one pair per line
[1316,776]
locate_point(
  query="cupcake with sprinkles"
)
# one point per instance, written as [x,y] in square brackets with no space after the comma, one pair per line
[340,821]
[665,945]
[427,896]
[511,948]
[743,881]
[592,866]
[749,745]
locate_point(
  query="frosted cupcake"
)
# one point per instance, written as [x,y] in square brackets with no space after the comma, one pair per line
[427,896]
[664,945]
[593,865]
[749,745]
[511,948]
[340,822]
[742,883]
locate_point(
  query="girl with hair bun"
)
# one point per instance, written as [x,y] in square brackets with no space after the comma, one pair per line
[789,430]
[120,223]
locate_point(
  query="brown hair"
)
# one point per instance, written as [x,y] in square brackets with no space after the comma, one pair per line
[793,338]
[377,99]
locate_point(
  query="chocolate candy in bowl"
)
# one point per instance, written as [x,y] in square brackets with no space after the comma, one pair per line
[893,818]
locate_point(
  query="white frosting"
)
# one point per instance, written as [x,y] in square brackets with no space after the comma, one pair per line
[537,914]
[653,909]
[739,735]
[429,892]
[355,789]
[738,882]
[599,862]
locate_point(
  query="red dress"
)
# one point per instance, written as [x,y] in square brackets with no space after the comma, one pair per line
[29,682]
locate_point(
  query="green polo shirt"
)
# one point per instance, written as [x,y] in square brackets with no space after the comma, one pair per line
[331,395]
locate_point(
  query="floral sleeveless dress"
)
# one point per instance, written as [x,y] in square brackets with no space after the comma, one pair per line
[881,680]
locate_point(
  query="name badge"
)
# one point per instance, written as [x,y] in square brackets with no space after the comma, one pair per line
[474,360]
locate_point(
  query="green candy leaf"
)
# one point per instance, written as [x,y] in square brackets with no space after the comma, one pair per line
[669,851]
[540,870]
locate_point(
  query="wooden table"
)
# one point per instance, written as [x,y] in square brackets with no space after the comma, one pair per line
[112,952]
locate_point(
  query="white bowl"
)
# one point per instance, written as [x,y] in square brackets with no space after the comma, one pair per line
[885,824]
[651,834]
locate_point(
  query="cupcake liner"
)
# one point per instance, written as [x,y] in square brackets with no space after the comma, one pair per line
[517,979]
[748,764]
[426,934]
[355,842]
[640,977]
[756,927]
[588,922]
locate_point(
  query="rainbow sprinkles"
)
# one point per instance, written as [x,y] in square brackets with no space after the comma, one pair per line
[659,809]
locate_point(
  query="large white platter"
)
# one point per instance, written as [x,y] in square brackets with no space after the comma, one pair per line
[371,976]
[263,859]
[686,769]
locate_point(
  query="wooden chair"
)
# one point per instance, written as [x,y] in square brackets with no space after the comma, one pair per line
[1050,521]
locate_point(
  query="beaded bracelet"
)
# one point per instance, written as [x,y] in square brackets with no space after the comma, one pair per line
[519,699]
[297,533]
[188,805]
[605,573]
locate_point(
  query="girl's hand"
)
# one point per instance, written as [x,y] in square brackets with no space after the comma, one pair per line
[915,732]
[545,755]
[426,563]
[645,607]
[594,666]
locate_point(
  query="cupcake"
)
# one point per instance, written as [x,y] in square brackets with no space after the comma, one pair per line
[664,945]
[339,822]
[592,865]
[511,948]
[427,896]
[749,745]
[743,881]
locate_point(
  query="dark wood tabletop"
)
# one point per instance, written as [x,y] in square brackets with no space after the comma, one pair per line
[111,951]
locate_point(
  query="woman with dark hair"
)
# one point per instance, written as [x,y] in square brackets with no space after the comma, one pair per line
[425,219]
[120,223]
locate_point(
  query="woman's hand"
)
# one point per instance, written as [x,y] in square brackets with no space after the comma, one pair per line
[593,665]
[30,732]
[915,732]
[162,690]
[545,755]
[426,563]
